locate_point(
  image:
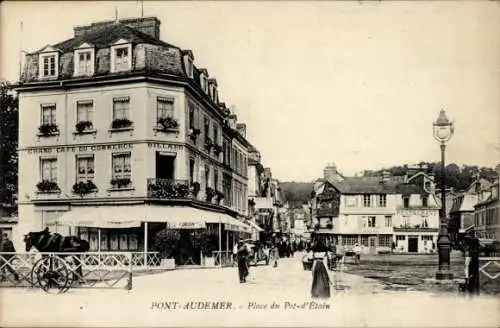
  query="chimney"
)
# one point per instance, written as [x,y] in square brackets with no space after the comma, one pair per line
[330,172]
[146,25]
[242,129]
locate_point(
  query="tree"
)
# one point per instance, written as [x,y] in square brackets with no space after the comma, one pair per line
[9,115]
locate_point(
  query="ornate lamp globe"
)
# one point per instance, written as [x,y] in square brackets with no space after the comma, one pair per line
[443,127]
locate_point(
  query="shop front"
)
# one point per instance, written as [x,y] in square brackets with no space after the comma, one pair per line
[133,228]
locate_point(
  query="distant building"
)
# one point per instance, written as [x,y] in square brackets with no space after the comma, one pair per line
[462,209]
[487,213]
[379,213]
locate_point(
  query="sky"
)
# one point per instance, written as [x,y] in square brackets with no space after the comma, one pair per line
[357,83]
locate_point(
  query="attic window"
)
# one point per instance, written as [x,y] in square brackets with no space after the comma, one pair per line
[188,63]
[121,58]
[203,82]
[48,65]
[84,62]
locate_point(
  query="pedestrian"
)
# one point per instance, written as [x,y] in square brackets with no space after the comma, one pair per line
[357,253]
[321,281]
[242,256]
[274,255]
[235,253]
[339,257]
[6,245]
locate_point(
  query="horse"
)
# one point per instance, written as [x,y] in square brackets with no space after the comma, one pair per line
[47,242]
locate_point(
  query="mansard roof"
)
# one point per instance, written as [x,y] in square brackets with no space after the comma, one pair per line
[106,35]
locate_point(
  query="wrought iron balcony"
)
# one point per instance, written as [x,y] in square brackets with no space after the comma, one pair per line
[170,189]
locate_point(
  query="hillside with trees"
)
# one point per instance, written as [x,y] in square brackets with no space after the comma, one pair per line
[458,178]
[8,146]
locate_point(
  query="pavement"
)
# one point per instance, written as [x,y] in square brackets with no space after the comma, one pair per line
[271,297]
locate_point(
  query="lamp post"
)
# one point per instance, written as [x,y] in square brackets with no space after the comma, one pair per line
[443,131]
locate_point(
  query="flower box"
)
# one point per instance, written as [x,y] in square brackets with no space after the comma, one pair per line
[121,123]
[47,186]
[48,129]
[120,182]
[208,144]
[167,124]
[83,188]
[217,149]
[210,193]
[83,126]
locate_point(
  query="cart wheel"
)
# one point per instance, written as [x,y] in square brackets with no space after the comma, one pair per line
[51,274]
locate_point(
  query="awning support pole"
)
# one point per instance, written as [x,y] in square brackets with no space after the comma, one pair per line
[220,244]
[145,243]
[99,240]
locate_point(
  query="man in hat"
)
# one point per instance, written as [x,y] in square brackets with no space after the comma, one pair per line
[242,257]
[6,245]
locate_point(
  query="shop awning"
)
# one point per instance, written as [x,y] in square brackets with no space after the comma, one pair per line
[102,217]
[255,226]
[177,217]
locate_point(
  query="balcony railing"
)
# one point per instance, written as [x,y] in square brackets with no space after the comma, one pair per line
[327,212]
[169,189]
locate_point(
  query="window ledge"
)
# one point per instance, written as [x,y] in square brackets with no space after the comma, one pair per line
[125,129]
[39,192]
[46,135]
[162,130]
[112,189]
[91,131]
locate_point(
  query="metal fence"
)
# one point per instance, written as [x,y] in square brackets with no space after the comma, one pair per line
[61,271]
[223,258]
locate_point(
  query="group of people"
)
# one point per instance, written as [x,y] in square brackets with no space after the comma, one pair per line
[241,253]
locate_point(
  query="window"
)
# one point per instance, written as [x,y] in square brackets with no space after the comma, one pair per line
[207,176]
[164,107]
[84,62]
[350,201]
[84,112]
[207,127]
[121,108]
[188,63]
[388,221]
[406,202]
[216,134]
[384,241]
[121,166]
[382,200]
[122,60]
[364,241]
[425,201]
[191,170]
[49,114]
[216,179]
[49,169]
[349,240]
[366,201]
[371,222]
[48,67]
[426,237]
[84,168]
[400,237]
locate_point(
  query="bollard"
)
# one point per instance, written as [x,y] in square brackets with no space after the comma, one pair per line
[129,281]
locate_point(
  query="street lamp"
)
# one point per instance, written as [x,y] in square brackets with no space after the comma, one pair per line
[443,131]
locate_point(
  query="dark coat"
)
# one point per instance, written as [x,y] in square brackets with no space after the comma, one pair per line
[321,281]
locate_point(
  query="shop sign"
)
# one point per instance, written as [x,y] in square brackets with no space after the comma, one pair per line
[164,146]
[187,225]
[74,149]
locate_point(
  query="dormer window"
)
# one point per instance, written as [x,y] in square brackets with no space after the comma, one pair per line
[84,62]
[188,63]
[121,57]
[49,63]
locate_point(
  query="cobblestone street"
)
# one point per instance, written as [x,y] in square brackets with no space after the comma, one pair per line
[159,299]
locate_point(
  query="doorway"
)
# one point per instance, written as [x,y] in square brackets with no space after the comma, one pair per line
[165,166]
[412,244]
[372,244]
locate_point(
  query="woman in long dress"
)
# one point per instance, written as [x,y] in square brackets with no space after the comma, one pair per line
[321,281]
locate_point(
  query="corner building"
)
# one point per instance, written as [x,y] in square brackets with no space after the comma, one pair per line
[121,135]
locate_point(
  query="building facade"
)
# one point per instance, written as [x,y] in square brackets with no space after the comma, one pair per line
[381,214]
[487,212]
[122,135]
